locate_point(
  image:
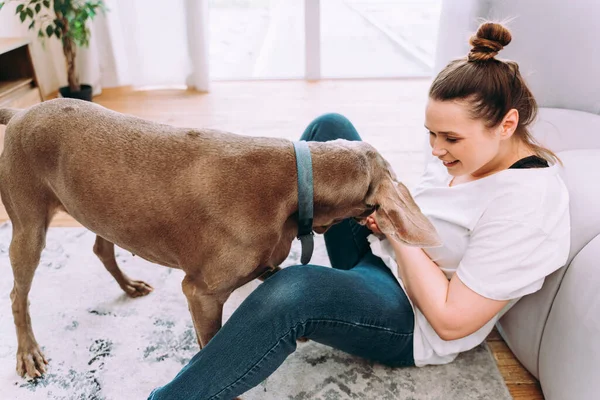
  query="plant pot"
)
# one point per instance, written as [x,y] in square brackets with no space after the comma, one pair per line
[84,94]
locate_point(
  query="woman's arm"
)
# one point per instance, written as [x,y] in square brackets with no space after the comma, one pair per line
[453,310]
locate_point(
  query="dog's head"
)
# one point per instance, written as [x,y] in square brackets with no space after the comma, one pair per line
[365,184]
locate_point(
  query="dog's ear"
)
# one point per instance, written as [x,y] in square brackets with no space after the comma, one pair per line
[399,217]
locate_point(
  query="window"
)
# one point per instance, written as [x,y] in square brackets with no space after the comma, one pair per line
[270,39]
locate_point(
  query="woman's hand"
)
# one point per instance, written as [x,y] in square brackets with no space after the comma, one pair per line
[373,227]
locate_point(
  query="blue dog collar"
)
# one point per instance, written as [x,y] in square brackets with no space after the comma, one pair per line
[305,200]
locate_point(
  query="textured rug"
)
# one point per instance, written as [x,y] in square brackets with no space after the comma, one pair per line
[104,345]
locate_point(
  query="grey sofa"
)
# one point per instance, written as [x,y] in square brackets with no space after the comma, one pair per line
[555,333]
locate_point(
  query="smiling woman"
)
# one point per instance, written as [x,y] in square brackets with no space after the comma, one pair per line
[504,228]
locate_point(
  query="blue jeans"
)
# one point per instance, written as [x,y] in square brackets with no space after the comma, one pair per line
[357,307]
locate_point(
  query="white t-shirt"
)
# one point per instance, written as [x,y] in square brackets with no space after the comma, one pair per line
[502,234]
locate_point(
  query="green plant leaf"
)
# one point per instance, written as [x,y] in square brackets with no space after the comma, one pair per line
[49,30]
[29,12]
[46,3]
[23,16]
[40,33]
[57,32]
[20,8]
[1,5]
[31,25]
[38,7]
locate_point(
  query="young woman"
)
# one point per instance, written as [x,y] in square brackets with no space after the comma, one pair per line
[496,200]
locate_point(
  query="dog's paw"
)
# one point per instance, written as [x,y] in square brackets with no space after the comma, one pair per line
[31,361]
[136,288]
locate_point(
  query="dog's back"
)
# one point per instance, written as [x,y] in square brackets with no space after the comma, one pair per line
[137,182]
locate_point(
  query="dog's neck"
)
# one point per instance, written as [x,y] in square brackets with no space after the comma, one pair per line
[341,183]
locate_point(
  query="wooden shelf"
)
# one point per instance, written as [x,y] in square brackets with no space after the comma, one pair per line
[9,44]
[8,87]
[19,86]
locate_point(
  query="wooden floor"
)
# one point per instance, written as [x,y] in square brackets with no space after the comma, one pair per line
[380,109]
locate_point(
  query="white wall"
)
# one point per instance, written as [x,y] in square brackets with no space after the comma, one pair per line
[49,61]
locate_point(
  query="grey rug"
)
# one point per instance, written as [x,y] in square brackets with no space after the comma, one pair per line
[104,345]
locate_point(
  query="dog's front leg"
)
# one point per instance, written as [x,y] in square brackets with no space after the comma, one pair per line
[206,307]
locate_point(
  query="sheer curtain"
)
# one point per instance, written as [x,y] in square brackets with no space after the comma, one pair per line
[148,43]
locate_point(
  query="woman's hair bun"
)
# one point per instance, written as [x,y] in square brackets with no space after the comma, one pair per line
[491,37]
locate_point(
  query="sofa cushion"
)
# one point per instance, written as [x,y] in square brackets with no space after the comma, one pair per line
[570,350]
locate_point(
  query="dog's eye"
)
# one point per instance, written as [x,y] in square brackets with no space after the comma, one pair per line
[372,208]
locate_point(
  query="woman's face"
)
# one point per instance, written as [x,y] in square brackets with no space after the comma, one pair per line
[465,145]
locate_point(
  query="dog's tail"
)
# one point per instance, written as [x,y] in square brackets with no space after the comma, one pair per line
[6,114]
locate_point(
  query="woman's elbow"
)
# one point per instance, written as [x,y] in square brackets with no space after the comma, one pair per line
[450,332]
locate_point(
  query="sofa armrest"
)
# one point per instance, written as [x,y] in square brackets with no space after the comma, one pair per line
[569,363]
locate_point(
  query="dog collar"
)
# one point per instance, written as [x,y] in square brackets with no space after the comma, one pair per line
[305,200]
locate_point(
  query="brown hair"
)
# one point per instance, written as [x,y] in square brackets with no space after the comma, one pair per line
[492,87]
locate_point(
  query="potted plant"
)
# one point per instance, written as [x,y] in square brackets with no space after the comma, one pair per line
[67,21]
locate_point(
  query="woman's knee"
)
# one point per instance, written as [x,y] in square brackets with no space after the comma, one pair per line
[296,290]
[330,126]
[332,119]
[293,284]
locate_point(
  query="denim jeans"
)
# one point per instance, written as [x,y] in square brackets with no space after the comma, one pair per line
[357,307]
